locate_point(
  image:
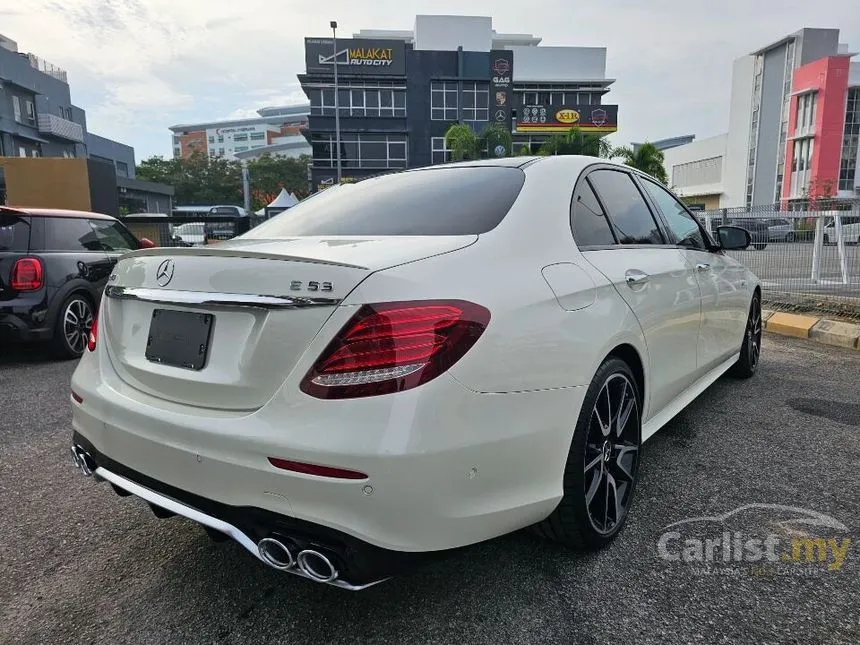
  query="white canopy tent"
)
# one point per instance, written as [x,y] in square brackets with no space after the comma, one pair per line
[283,201]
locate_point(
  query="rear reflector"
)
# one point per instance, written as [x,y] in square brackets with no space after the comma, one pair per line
[394,346]
[313,469]
[27,275]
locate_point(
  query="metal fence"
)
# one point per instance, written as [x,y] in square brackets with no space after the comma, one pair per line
[806,255]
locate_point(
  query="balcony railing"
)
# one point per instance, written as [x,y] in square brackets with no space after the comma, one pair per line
[47,68]
[56,126]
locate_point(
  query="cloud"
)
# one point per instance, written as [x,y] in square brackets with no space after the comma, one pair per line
[139,66]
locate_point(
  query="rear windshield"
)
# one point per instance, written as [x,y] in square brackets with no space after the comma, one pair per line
[439,201]
[14,232]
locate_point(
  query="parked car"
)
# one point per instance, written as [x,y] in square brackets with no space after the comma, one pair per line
[758,228]
[190,234]
[54,265]
[850,230]
[414,362]
[780,230]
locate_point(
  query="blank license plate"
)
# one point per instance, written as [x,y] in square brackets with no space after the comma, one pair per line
[179,338]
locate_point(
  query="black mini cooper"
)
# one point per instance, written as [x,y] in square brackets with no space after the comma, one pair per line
[54,265]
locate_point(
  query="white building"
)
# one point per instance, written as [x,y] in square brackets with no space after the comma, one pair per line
[229,139]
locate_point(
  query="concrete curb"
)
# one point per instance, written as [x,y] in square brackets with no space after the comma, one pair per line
[820,330]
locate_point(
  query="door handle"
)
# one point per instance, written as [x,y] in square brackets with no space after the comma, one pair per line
[703,266]
[634,278]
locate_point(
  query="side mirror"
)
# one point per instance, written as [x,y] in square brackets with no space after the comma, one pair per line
[146,243]
[733,237]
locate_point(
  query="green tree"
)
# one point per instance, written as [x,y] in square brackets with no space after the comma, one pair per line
[271,174]
[646,158]
[576,142]
[464,144]
[198,179]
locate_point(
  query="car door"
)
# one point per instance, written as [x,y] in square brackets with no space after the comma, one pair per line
[721,279]
[649,273]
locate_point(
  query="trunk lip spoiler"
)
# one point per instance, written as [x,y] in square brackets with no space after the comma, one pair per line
[216,299]
[236,253]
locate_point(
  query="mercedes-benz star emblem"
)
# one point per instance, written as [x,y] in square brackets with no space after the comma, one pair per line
[164,273]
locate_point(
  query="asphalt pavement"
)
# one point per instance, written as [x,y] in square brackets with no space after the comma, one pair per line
[79,564]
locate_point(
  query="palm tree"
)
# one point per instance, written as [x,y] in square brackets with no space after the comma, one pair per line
[464,144]
[576,142]
[647,158]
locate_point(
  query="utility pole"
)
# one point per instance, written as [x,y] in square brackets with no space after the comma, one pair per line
[333,24]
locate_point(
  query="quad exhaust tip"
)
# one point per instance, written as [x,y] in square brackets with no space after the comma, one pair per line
[83,461]
[312,564]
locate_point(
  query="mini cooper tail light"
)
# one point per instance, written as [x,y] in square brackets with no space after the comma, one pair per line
[94,333]
[27,275]
[394,346]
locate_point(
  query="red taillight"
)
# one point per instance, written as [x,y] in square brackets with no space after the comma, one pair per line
[94,333]
[27,275]
[395,346]
[314,469]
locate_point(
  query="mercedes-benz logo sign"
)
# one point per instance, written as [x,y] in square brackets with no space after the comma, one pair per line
[164,273]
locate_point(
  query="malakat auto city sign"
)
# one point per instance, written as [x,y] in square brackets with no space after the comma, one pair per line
[355,56]
[560,118]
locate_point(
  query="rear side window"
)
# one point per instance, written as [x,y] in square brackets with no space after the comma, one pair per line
[113,236]
[442,201]
[628,211]
[14,232]
[70,234]
[590,226]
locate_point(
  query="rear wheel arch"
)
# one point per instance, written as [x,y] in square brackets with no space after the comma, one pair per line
[630,355]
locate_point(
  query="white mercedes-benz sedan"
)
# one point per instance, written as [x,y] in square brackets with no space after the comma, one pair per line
[414,363]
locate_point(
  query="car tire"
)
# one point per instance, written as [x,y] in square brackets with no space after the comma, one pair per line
[594,470]
[72,326]
[748,362]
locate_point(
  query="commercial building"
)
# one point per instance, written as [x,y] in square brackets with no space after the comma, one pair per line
[44,142]
[771,151]
[399,91]
[272,132]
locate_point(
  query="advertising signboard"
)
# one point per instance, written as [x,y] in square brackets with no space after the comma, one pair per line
[501,86]
[355,56]
[561,118]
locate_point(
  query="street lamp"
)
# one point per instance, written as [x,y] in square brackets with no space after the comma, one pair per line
[333,24]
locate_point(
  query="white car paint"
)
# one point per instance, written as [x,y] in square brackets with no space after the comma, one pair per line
[478,451]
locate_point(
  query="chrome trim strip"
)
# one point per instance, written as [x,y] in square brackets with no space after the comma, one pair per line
[211,299]
[193,514]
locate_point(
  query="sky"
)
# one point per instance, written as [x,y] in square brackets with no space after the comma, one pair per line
[140,66]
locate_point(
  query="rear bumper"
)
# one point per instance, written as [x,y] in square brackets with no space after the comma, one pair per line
[446,466]
[19,326]
[359,565]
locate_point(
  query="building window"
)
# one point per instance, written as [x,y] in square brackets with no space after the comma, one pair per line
[360,150]
[439,151]
[476,101]
[257,136]
[122,168]
[240,137]
[220,152]
[16,108]
[211,139]
[29,112]
[241,148]
[22,151]
[801,163]
[443,101]
[220,138]
[848,163]
[806,105]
